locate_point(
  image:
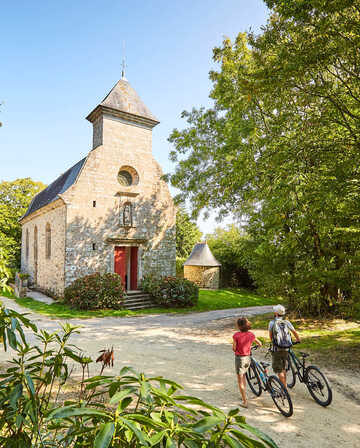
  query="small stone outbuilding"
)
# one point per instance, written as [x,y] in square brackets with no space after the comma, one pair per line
[202,267]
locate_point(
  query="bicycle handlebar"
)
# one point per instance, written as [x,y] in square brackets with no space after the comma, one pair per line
[271,345]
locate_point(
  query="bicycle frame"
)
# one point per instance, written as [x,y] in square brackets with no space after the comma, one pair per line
[299,366]
[261,371]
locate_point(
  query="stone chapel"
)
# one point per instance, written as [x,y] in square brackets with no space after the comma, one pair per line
[110,212]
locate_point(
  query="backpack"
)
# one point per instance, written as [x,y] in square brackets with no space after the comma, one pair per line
[281,334]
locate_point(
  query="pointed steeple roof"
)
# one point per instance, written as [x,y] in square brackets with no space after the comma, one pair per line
[201,256]
[123,101]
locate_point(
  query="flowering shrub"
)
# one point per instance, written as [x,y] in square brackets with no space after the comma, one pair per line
[171,291]
[96,291]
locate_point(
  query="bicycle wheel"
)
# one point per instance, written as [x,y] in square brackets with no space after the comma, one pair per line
[290,374]
[318,386]
[280,396]
[253,380]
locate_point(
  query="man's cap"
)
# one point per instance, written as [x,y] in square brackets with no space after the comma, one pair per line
[279,309]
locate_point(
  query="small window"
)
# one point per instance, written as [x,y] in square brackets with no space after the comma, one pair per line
[48,241]
[94,246]
[35,245]
[94,203]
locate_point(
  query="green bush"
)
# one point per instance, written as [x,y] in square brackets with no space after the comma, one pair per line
[171,291]
[96,291]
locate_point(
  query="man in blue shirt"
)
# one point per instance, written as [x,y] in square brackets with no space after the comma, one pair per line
[280,354]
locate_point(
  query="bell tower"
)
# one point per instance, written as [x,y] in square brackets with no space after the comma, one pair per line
[122,104]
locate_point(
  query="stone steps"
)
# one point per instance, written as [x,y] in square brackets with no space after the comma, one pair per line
[138,300]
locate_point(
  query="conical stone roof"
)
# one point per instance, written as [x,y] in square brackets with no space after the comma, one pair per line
[122,100]
[201,256]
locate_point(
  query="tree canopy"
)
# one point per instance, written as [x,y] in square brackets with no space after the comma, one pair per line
[230,247]
[15,197]
[187,233]
[281,146]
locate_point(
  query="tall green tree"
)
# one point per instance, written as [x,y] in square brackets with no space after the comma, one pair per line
[15,197]
[231,247]
[4,272]
[281,145]
[187,234]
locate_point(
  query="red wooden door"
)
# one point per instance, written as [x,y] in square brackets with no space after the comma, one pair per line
[120,262]
[134,268]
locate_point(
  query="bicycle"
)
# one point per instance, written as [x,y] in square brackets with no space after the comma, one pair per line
[259,380]
[316,382]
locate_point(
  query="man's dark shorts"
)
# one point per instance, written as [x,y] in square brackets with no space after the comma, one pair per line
[279,360]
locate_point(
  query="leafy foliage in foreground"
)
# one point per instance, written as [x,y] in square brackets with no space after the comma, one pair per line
[95,292]
[171,291]
[281,146]
[127,410]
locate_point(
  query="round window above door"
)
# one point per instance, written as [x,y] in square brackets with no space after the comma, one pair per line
[125,178]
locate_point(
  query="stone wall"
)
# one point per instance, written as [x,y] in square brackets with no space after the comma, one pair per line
[203,276]
[50,271]
[93,231]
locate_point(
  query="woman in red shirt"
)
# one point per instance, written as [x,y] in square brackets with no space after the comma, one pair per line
[242,341]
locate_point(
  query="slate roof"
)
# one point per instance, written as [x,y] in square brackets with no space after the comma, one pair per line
[201,256]
[60,185]
[123,98]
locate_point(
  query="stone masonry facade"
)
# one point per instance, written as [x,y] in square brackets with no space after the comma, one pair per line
[203,276]
[50,270]
[153,229]
[87,220]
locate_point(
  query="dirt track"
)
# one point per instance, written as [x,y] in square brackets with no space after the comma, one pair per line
[195,350]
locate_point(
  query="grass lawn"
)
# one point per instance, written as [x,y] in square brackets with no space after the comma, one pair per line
[208,300]
[330,341]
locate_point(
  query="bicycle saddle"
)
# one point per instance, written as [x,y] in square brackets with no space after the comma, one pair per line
[304,355]
[264,364]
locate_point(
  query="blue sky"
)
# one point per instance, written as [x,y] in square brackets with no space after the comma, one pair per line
[59,59]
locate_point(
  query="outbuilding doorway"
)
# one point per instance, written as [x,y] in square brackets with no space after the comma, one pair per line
[126,265]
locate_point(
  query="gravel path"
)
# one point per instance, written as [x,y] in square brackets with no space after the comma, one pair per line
[195,350]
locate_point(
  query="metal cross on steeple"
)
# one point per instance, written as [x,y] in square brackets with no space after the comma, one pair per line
[123,64]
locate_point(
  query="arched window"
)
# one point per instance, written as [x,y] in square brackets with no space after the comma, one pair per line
[35,255]
[35,243]
[127,176]
[48,241]
[27,244]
